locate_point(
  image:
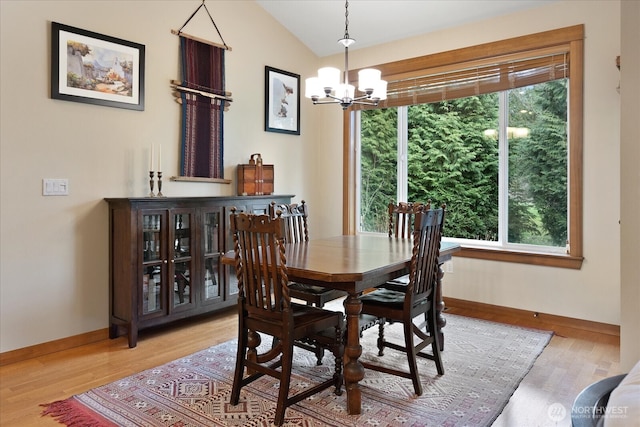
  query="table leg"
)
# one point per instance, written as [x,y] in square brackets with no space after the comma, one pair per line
[353,369]
[441,322]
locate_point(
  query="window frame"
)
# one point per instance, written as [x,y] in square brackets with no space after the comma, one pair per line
[573,40]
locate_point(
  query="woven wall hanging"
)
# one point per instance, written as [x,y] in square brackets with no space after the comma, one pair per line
[203,98]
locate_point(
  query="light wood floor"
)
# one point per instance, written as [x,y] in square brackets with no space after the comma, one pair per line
[571,361]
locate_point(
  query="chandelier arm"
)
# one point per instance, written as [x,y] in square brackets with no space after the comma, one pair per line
[365,96]
[326,102]
[373,102]
[333,97]
[357,98]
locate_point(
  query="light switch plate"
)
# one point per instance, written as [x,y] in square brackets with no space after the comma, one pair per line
[55,187]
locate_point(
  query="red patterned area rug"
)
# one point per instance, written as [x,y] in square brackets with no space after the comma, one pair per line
[484,363]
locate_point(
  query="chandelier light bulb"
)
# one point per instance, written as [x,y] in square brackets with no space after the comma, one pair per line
[345,91]
[368,79]
[313,88]
[380,90]
[329,77]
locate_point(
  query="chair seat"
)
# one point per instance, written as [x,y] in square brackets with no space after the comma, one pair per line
[317,290]
[387,298]
[399,284]
[307,320]
[316,295]
[386,303]
[404,280]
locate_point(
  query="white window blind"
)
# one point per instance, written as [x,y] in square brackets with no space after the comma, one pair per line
[477,77]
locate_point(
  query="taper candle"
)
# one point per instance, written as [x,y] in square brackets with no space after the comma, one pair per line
[159,158]
[151,159]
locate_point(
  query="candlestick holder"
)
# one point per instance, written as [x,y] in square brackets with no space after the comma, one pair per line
[151,173]
[160,185]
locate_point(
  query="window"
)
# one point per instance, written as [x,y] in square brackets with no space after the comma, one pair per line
[503,179]
[497,137]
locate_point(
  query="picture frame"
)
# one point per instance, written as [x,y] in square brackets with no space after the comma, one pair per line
[96,69]
[282,101]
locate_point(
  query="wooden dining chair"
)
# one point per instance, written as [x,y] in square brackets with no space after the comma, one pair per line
[402,217]
[295,217]
[265,307]
[389,305]
[295,222]
[401,225]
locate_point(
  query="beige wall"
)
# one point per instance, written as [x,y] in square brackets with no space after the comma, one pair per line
[54,275]
[630,186]
[54,249]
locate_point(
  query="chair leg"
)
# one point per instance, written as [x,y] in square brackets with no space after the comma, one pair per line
[411,356]
[285,381]
[435,345]
[338,352]
[381,337]
[319,351]
[237,377]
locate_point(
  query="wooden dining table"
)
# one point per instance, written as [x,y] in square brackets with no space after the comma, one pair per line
[355,263]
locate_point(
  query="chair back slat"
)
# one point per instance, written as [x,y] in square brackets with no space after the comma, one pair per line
[402,218]
[260,263]
[427,236]
[295,217]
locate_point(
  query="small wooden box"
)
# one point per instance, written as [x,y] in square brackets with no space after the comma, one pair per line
[255,180]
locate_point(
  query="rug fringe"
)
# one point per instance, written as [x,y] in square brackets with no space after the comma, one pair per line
[72,414]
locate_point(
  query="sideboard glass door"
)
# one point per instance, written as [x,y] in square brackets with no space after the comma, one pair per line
[212,290]
[182,258]
[153,224]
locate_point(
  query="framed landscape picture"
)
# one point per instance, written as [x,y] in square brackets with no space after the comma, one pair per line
[282,101]
[96,69]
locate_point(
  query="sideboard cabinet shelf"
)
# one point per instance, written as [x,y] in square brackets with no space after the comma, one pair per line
[165,258]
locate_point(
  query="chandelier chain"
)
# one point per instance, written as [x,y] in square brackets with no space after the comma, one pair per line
[346,20]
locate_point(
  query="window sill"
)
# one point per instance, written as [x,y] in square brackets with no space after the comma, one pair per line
[533,258]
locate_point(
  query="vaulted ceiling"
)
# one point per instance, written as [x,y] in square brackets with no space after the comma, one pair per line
[320,23]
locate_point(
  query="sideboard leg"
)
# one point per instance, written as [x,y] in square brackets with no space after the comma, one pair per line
[133,335]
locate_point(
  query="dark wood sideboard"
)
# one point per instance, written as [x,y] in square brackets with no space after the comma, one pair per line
[165,258]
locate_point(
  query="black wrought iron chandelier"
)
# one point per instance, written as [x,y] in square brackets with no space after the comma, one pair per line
[327,85]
